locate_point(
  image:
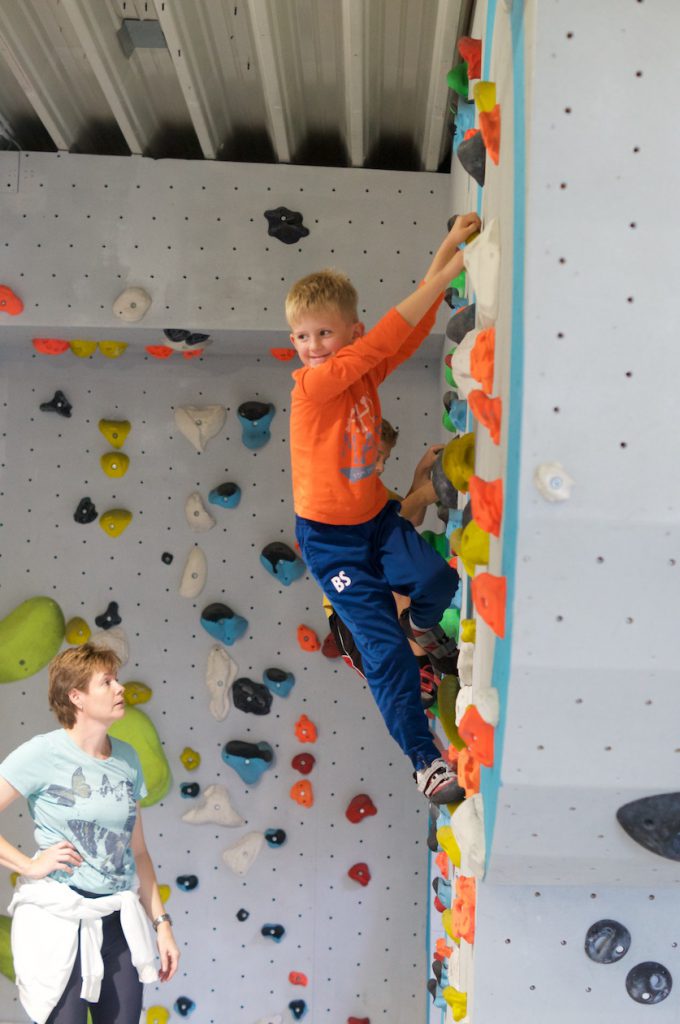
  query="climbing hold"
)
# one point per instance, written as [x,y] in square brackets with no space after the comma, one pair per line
[109,618]
[138,730]
[457,79]
[649,983]
[305,730]
[484,94]
[307,639]
[302,793]
[251,697]
[482,262]
[329,647]
[30,636]
[490,127]
[455,416]
[10,302]
[360,873]
[249,760]
[278,681]
[222,623]
[358,1020]
[471,51]
[442,888]
[488,411]
[187,342]
[472,155]
[255,419]
[189,790]
[446,705]
[159,351]
[482,358]
[215,809]
[195,573]
[607,941]
[443,863]
[282,563]
[59,403]
[467,825]
[187,882]
[275,837]
[225,495]
[241,855]
[167,558]
[447,495]
[457,1001]
[114,639]
[242,915]
[468,771]
[200,423]
[298,1008]
[361,806]
[474,547]
[190,758]
[76,631]
[220,673]
[284,355]
[115,464]
[184,1006]
[197,515]
[112,349]
[448,843]
[273,931]
[115,521]
[285,225]
[552,481]
[458,460]
[303,763]
[461,323]
[460,364]
[132,305]
[489,597]
[50,346]
[137,693]
[463,908]
[297,978]
[468,628]
[477,735]
[654,823]
[487,500]
[466,657]
[86,512]
[157,1015]
[82,348]
[438,541]
[115,431]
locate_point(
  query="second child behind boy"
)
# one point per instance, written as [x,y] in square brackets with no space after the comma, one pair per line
[351,535]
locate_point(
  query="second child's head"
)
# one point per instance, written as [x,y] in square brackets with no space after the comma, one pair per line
[321,310]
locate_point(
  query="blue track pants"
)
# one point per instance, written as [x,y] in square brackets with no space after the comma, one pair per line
[357,568]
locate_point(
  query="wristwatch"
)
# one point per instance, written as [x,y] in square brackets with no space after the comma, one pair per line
[159,920]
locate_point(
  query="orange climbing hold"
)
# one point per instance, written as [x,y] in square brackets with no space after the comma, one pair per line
[482,358]
[307,639]
[441,950]
[487,503]
[469,133]
[297,978]
[9,301]
[489,594]
[284,354]
[305,730]
[488,412]
[442,862]
[302,793]
[463,909]
[477,735]
[470,51]
[490,127]
[468,772]
[50,346]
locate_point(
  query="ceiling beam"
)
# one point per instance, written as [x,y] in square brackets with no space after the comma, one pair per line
[355,89]
[446,32]
[272,85]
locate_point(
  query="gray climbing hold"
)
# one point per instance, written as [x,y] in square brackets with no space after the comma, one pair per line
[472,155]
[607,941]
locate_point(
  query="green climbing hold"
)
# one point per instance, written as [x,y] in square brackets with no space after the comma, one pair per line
[29,637]
[450,622]
[6,960]
[459,283]
[138,730]
[438,541]
[457,79]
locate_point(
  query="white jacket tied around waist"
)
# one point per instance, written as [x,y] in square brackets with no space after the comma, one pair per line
[46,919]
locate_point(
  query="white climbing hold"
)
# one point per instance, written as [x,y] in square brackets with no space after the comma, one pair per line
[195,573]
[200,423]
[467,825]
[132,305]
[198,517]
[466,654]
[115,639]
[460,365]
[463,702]
[241,855]
[482,260]
[219,675]
[552,481]
[486,700]
[215,809]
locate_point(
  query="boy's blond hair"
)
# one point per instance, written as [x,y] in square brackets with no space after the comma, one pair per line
[321,290]
[72,670]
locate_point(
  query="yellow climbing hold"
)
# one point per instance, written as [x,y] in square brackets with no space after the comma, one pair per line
[447,841]
[457,1001]
[112,349]
[137,693]
[468,631]
[83,349]
[157,1015]
[190,759]
[164,891]
[115,431]
[446,707]
[471,238]
[485,96]
[455,539]
[14,878]
[115,521]
[115,464]
[447,924]
[77,631]
[458,460]
[474,547]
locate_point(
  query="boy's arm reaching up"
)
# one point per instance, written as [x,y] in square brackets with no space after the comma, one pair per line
[447,264]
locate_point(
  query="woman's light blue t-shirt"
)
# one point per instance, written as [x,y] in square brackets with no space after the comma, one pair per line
[88,801]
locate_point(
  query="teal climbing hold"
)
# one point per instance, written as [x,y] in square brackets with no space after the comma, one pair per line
[255,419]
[222,623]
[278,681]
[249,760]
[282,563]
[30,636]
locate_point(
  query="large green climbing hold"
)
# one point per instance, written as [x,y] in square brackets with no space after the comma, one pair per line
[6,960]
[457,79]
[29,637]
[438,541]
[138,730]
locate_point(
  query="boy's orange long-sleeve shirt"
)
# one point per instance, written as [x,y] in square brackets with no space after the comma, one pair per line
[335,423]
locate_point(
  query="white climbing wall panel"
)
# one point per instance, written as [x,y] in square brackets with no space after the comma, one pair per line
[363,949]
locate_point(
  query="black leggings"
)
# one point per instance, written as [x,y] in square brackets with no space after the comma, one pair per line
[120,999]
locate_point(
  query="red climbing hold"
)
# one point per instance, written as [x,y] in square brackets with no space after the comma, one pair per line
[297,978]
[329,647]
[307,639]
[358,1020]
[470,51]
[159,351]
[305,730]
[360,807]
[487,503]
[303,763]
[284,354]
[193,353]
[302,793]
[470,133]
[482,358]
[438,905]
[488,412]
[360,873]
[441,950]
[490,127]
[9,301]
[50,346]
[477,735]
[489,595]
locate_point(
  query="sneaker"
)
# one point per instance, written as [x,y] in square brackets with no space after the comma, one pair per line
[434,641]
[439,783]
[429,683]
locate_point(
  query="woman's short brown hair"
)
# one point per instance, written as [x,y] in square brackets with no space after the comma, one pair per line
[72,670]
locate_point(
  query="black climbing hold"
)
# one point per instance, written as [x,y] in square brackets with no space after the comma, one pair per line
[187,338]
[251,697]
[242,914]
[433,817]
[451,221]
[286,225]
[86,512]
[184,1006]
[654,822]
[241,748]
[461,323]
[649,983]
[59,404]
[449,295]
[276,552]
[273,931]
[275,836]
[298,1007]
[216,611]
[167,558]
[472,155]
[607,941]
[432,987]
[189,789]
[468,514]
[437,968]
[109,618]
[254,411]
[187,882]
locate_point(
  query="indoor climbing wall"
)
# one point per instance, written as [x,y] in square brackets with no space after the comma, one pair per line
[140,525]
[556,886]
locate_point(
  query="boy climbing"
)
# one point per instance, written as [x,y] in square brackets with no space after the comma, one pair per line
[355,543]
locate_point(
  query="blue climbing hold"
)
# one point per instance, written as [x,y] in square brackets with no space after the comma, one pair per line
[278,681]
[249,760]
[456,413]
[298,1008]
[222,623]
[455,520]
[189,790]
[255,419]
[465,120]
[275,837]
[187,882]
[273,931]
[225,495]
[282,563]
[184,1006]
[442,888]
